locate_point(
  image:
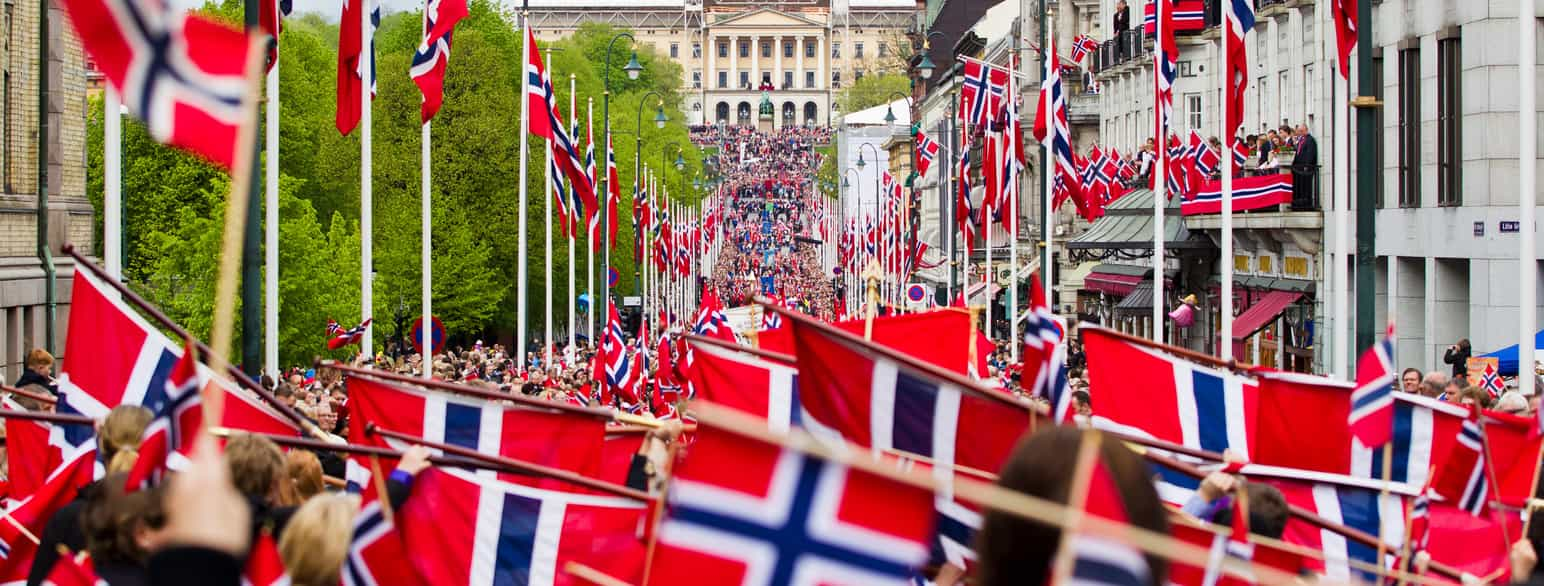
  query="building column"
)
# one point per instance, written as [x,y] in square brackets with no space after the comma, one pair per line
[755,61]
[777,60]
[734,61]
[710,45]
[1429,342]
[821,77]
[798,60]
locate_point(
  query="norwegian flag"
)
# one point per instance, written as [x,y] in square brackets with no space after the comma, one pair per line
[1082,46]
[1490,380]
[1344,15]
[1205,158]
[491,427]
[1420,521]
[974,92]
[337,337]
[1051,128]
[567,214]
[965,212]
[351,63]
[433,54]
[542,98]
[1465,479]
[270,21]
[32,513]
[1372,403]
[264,567]
[1240,20]
[183,74]
[376,554]
[613,195]
[756,386]
[619,370]
[168,439]
[482,531]
[927,152]
[1165,71]
[1098,559]
[712,322]
[743,511]
[29,454]
[1044,373]
[1240,153]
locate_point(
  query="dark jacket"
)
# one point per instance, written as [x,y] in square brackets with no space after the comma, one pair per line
[62,529]
[1306,161]
[178,565]
[1122,20]
[1459,359]
[31,377]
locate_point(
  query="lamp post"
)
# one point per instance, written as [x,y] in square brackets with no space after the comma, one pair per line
[858,211]
[879,243]
[633,68]
[905,211]
[659,122]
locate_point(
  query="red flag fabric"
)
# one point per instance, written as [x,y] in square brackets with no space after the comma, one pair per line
[1343,14]
[940,337]
[264,567]
[759,387]
[168,440]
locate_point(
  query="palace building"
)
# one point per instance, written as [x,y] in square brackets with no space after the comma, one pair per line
[798,53]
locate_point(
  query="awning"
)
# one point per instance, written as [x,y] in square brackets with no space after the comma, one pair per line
[1262,312]
[1139,301]
[1112,283]
[975,293]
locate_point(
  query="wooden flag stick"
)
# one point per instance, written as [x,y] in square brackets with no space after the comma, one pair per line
[1383,494]
[1185,353]
[592,575]
[224,322]
[1004,500]
[786,359]
[520,466]
[1490,478]
[849,339]
[45,416]
[672,450]
[976,473]
[165,322]
[380,489]
[1077,496]
[387,377]
[321,446]
[20,527]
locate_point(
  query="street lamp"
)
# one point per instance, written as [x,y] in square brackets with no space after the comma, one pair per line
[633,68]
[659,122]
[680,163]
[925,65]
[659,115]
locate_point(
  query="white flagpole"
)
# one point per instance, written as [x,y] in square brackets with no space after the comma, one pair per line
[989,279]
[546,360]
[604,200]
[644,184]
[366,211]
[1226,155]
[1161,144]
[573,235]
[1047,193]
[1013,214]
[428,279]
[271,221]
[525,106]
[1340,319]
[1527,182]
[112,196]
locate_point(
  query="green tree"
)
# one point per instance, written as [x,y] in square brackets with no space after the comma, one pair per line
[871,91]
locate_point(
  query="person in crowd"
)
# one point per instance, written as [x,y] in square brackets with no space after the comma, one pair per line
[39,371]
[1512,402]
[302,478]
[1433,384]
[1410,381]
[258,469]
[1457,356]
[1213,502]
[1122,19]
[1011,550]
[121,529]
[117,444]
[317,539]
[1455,389]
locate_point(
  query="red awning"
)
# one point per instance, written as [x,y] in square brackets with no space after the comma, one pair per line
[1111,283]
[1262,312]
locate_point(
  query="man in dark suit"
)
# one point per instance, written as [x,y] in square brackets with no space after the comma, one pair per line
[1122,22]
[1305,170]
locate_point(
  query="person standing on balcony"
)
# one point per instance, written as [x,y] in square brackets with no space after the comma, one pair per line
[1305,169]
[1122,18]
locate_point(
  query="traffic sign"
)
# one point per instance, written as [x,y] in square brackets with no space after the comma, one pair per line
[436,335]
[611,277]
[916,293]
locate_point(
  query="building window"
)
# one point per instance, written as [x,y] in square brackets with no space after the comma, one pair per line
[723,79]
[1309,83]
[787,49]
[857,49]
[675,50]
[1193,108]
[1281,86]
[809,79]
[836,50]
[745,50]
[809,50]
[857,75]
[1409,128]
[745,79]
[884,49]
[766,49]
[696,50]
[836,81]
[723,49]
[787,79]
[697,79]
[1262,103]
[1450,162]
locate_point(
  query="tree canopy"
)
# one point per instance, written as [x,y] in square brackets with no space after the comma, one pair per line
[173,202]
[871,91]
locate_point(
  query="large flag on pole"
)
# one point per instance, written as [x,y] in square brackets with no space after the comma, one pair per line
[433,54]
[613,193]
[1240,21]
[1344,15]
[550,126]
[183,74]
[350,51]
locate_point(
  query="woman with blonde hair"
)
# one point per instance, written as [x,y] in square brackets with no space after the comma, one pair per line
[302,478]
[317,539]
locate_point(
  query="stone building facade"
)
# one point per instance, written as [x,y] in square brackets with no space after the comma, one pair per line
[798,52]
[69,217]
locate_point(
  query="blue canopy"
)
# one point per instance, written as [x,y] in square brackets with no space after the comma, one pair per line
[1506,358]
